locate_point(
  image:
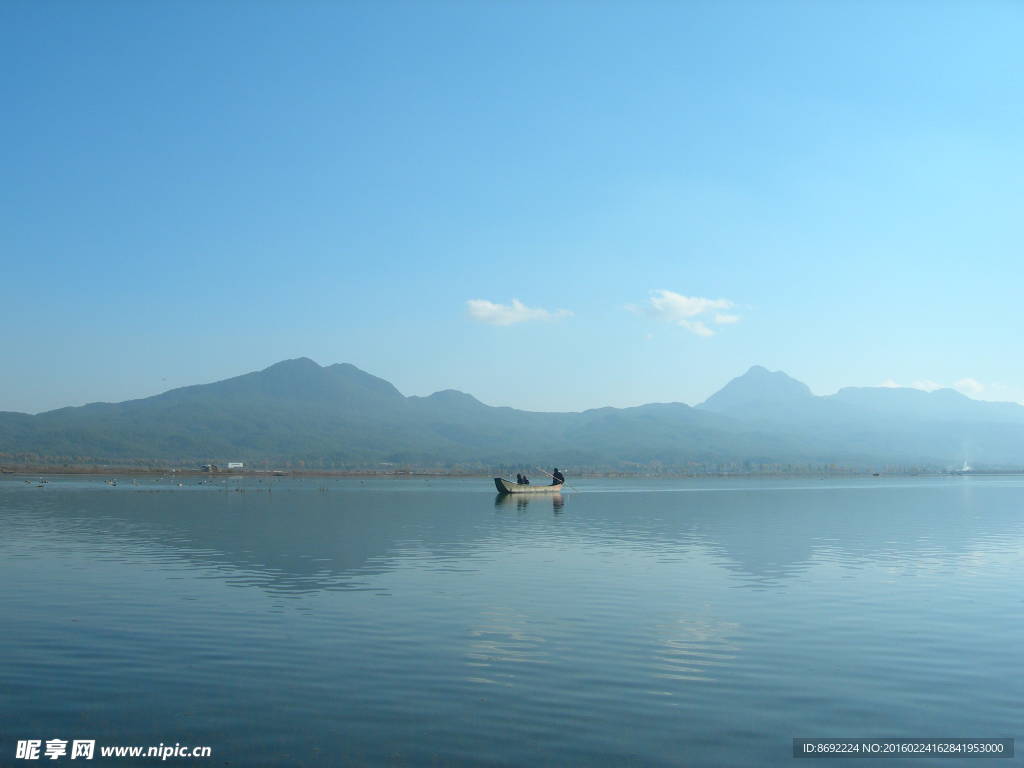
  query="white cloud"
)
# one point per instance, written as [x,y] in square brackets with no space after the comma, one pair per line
[510,314]
[969,386]
[925,385]
[682,310]
[674,306]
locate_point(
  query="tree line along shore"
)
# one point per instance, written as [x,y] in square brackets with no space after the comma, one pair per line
[674,472]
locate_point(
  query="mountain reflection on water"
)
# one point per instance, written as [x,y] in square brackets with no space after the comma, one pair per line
[299,540]
[423,622]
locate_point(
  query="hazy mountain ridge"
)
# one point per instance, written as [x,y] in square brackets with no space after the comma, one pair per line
[339,416]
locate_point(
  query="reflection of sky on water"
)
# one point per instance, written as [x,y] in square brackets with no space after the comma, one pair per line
[501,644]
[692,647]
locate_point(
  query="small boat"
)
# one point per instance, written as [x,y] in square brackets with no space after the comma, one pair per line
[504,486]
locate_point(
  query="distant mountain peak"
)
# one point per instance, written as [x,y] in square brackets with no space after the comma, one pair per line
[453,395]
[451,400]
[756,389]
[295,364]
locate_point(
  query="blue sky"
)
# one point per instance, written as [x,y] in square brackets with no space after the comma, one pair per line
[196,190]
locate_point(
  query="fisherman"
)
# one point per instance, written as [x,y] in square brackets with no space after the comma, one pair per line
[519,478]
[557,477]
[526,480]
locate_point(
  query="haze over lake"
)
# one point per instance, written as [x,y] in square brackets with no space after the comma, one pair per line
[425,621]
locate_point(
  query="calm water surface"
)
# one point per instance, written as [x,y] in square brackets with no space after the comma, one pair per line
[425,622]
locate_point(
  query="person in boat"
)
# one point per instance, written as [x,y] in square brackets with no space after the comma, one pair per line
[519,478]
[526,480]
[557,478]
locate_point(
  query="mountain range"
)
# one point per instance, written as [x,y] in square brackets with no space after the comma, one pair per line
[297,413]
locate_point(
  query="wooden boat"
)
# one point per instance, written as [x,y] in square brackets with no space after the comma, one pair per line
[504,486]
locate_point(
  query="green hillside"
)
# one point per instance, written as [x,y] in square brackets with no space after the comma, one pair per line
[298,413]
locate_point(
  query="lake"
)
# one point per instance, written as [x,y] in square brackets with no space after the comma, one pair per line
[423,622]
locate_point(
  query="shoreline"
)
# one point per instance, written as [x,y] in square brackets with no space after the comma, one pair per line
[99,470]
